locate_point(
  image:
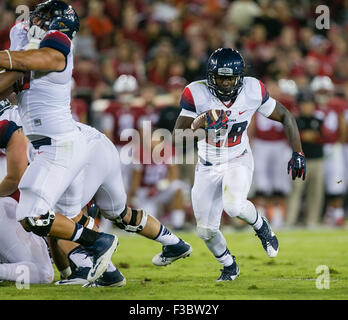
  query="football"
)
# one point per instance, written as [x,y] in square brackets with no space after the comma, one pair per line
[201,120]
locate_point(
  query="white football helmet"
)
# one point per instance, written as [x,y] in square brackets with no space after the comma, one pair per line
[288,86]
[125,83]
[321,83]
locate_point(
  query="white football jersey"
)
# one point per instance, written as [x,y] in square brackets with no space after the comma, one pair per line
[233,142]
[44,98]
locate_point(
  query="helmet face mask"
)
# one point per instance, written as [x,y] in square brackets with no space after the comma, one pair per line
[56,15]
[225,73]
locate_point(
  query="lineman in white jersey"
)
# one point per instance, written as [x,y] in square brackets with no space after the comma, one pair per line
[110,196]
[20,251]
[224,170]
[60,150]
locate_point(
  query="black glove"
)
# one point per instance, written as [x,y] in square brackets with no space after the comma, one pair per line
[297,165]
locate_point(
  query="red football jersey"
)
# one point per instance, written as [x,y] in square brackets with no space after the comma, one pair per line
[330,115]
[79,109]
[269,130]
[124,118]
[155,171]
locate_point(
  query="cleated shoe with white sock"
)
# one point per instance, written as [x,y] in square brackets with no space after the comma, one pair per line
[268,239]
[171,253]
[229,273]
[78,276]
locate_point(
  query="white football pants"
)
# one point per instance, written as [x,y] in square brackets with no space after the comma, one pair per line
[55,173]
[221,187]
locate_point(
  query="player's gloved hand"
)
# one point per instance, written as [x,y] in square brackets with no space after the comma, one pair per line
[34,35]
[297,165]
[216,121]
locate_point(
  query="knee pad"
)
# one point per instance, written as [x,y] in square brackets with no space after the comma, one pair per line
[132,226]
[42,226]
[206,234]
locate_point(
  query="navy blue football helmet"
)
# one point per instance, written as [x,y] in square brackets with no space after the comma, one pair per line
[225,62]
[56,15]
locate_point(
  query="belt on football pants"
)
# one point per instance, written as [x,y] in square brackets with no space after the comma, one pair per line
[41,142]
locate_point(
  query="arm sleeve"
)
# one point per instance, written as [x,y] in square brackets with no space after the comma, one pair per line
[56,40]
[7,128]
[267,103]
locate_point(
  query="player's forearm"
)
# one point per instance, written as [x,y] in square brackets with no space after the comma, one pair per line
[6,93]
[8,186]
[292,132]
[44,59]
[8,78]
[182,130]
[281,114]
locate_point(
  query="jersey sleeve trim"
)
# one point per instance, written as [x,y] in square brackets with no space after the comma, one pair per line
[57,40]
[267,108]
[187,113]
[7,128]
[264,93]
[187,101]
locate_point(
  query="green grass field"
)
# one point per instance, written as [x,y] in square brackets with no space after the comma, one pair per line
[292,275]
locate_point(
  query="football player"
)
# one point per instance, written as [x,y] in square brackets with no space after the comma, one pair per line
[331,110]
[58,149]
[110,196]
[19,249]
[225,166]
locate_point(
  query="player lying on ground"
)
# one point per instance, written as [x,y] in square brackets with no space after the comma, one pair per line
[225,167]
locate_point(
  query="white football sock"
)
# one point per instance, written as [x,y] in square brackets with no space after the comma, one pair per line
[251,216]
[81,259]
[217,246]
[165,237]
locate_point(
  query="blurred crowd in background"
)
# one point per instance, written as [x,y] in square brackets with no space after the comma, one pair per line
[133,58]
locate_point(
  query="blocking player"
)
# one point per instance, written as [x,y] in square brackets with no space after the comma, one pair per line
[131,220]
[58,150]
[19,249]
[110,197]
[225,167]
